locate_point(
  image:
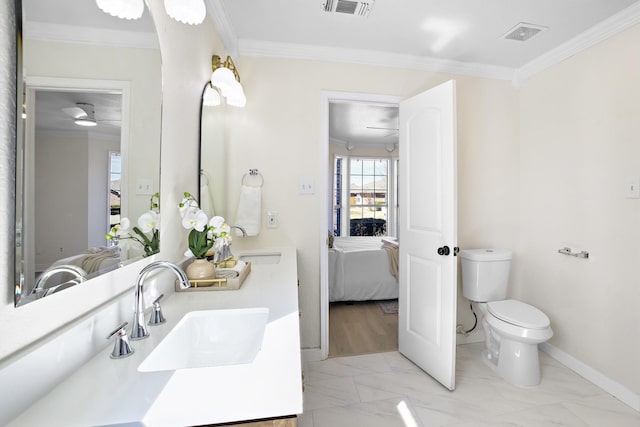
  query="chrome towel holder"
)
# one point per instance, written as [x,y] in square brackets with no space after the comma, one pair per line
[253,173]
[567,251]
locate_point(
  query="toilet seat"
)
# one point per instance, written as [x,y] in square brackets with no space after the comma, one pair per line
[519,314]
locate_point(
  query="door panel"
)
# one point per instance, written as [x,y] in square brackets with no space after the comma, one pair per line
[427,280]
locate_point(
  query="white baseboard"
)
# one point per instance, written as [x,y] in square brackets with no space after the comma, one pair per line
[311,354]
[612,387]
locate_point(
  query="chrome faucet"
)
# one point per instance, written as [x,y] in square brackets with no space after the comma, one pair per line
[223,251]
[76,271]
[138,328]
[242,230]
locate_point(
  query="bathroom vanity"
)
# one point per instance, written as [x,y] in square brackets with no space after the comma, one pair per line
[266,391]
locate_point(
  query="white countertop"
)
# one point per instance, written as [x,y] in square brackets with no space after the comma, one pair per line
[107,392]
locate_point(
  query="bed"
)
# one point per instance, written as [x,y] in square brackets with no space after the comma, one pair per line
[360,269]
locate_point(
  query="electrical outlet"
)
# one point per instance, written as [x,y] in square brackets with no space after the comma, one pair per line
[272,219]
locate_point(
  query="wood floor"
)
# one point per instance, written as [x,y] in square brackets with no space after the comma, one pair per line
[361,328]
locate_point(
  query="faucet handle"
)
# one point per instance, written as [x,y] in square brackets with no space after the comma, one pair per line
[122,347]
[156,314]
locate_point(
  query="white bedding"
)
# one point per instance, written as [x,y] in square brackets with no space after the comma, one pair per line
[359,270]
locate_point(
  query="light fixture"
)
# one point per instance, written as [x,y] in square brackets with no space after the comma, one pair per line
[125,9]
[190,12]
[226,78]
[211,97]
[85,121]
[83,114]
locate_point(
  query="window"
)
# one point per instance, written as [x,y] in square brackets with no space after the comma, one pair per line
[368,196]
[337,196]
[115,173]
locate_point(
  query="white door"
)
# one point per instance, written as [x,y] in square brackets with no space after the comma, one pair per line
[428,222]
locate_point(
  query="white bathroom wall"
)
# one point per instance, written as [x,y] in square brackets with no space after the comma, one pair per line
[279,133]
[60,186]
[580,144]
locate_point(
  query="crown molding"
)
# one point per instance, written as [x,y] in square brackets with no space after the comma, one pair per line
[90,36]
[369,57]
[598,33]
[221,21]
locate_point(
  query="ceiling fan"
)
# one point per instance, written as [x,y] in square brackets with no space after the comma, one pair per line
[84,114]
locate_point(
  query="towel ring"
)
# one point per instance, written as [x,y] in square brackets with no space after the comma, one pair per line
[204,175]
[252,173]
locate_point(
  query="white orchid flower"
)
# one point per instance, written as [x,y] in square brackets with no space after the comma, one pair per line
[216,221]
[187,205]
[149,221]
[196,219]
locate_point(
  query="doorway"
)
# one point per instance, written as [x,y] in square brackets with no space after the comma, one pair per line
[352,325]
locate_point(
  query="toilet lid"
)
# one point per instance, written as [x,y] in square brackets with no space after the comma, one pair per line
[519,314]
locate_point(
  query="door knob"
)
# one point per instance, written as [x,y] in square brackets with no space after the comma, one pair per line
[444,250]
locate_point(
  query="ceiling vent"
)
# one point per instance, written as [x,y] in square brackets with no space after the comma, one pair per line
[356,8]
[523,32]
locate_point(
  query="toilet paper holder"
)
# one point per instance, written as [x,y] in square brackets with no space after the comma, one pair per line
[567,251]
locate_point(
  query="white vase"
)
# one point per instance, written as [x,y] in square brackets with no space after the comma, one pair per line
[200,269]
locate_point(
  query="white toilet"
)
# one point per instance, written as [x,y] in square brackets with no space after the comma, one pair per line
[512,328]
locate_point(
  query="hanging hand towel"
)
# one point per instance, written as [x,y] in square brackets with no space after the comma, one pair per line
[249,208]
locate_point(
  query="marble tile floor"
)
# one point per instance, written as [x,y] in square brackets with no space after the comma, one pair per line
[386,390]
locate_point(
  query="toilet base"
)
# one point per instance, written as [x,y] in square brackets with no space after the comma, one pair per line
[517,363]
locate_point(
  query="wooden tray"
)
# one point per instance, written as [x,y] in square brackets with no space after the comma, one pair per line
[217,284]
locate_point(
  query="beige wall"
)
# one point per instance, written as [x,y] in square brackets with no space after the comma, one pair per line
[279,133]
[580,141]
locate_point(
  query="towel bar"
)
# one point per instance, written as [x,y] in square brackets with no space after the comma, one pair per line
[567,251]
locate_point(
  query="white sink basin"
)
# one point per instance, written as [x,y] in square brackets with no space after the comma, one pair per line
[261,257]
[210,338]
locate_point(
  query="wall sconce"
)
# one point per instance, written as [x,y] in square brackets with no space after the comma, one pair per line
[190,12]
[211,97]
[226,78]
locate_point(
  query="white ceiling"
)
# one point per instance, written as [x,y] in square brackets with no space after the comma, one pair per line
[459,36]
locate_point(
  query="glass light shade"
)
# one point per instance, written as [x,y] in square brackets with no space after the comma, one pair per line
[211,97]
[85,122]
[237,98]
[125,9]
[190,12]
[223,79]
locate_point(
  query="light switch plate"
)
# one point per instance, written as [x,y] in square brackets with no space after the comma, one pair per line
[144,186]
[306,186]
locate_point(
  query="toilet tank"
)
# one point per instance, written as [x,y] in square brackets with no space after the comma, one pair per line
[485,274]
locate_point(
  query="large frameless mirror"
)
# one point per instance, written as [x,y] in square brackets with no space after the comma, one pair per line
[88,145]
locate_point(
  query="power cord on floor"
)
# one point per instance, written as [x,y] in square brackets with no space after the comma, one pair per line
[460,330]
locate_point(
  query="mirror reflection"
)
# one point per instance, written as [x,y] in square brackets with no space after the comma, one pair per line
[88,145]
[213,198]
